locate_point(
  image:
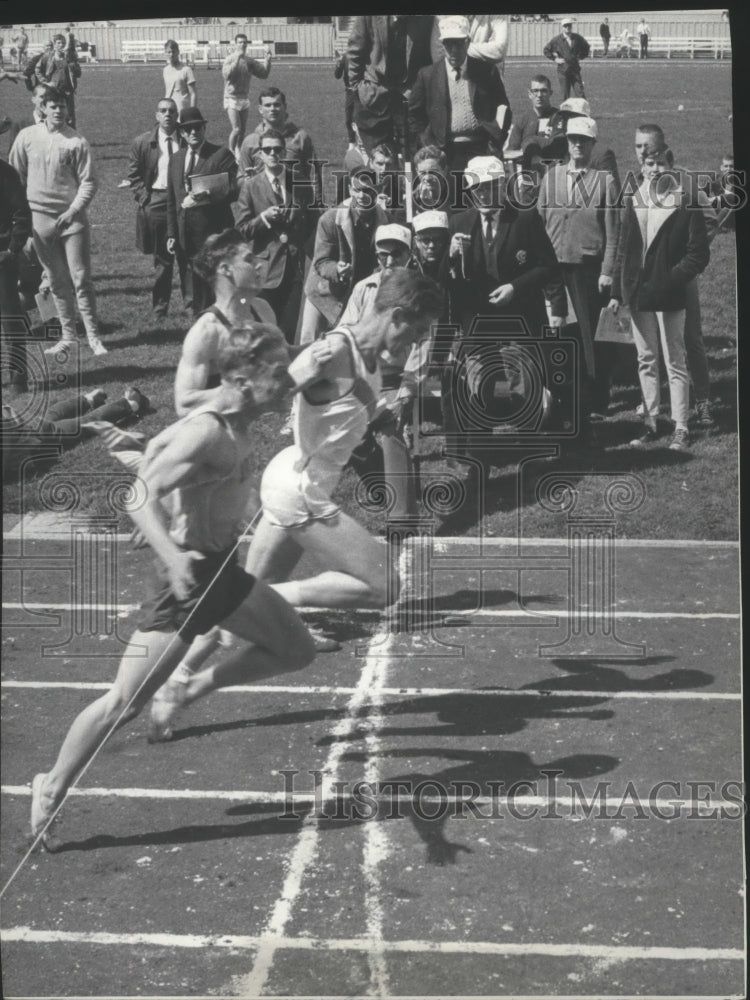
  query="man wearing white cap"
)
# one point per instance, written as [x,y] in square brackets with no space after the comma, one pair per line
[578,206]
[554,146]
[488,39]
[459,104]
[431,238]
[401,377]
[501,260]
[567,49]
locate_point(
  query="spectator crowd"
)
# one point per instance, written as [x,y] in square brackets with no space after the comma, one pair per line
[521,215]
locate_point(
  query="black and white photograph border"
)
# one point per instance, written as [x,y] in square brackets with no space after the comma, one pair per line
[513,767]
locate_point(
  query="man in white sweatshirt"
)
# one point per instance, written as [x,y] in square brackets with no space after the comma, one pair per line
[55,165]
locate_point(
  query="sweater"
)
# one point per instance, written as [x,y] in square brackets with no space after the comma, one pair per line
[56,168]
[574,229]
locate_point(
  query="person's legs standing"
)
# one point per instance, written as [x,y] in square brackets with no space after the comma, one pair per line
[77,246]
[163,260]
[564,82]
[672,334]
[51,253]
[70,100]
[646,336]
[695,349]
[349,115]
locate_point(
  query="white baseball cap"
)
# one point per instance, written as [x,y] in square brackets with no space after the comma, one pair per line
[430,220]
[582,126]
[392,231]
[454,26]
[566,20]
[576,106]
[483,168]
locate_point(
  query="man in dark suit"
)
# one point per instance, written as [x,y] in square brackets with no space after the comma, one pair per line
[500,260]
[459,104]
[148,174]
[385,52]
[193,216]
[567,49]
[276,218]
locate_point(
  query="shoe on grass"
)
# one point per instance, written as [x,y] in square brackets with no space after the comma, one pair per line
[97,397]
[138,401]
[703,416]
[647,435]
[62,347]
[97,346]
[680,440]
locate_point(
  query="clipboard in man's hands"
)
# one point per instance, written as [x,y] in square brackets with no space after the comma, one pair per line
[614,328]
[215,185]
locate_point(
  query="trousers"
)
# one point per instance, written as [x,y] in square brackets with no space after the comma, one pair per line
[67,259]
[668,328]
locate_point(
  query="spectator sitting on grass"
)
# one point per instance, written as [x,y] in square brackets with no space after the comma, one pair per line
[65,424]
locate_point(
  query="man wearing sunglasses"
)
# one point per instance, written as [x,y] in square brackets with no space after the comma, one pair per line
[276,219]
[193,215]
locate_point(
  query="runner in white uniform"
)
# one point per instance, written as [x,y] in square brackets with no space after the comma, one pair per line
[202,462]
[338,397]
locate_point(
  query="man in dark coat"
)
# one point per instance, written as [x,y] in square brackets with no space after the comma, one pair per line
[567,49]
[344,253]
[193,216]
[276,218]
[385,53]
[500,260]
[148,173]
[15,229]
[606,35]
[459,104]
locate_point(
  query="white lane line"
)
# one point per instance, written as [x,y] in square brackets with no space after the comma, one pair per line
[415,692]
[618,953]
[304,853]
[518,805]
[458,613]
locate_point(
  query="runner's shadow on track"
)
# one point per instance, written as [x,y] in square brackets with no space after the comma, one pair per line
[593,676]
[478,714]
[478,600]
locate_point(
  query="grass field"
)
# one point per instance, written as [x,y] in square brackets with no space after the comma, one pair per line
[686,496]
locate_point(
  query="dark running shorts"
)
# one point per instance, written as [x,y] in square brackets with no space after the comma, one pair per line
[163,612]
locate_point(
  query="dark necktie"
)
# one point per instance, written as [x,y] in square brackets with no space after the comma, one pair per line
[488,239]
[190,168]
[458,74]
[169,148]
[277,191]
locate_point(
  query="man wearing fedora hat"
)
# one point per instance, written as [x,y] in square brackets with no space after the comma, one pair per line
[566,50]
[193,216]
[459,104]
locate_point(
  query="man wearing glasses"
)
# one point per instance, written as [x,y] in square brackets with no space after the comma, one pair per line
[276,218]
[150,156]
[193,215]
[535,119]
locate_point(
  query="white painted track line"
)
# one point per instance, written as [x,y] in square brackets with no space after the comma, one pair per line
[458,613]
[618,953]
[415,692]
[553,805]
